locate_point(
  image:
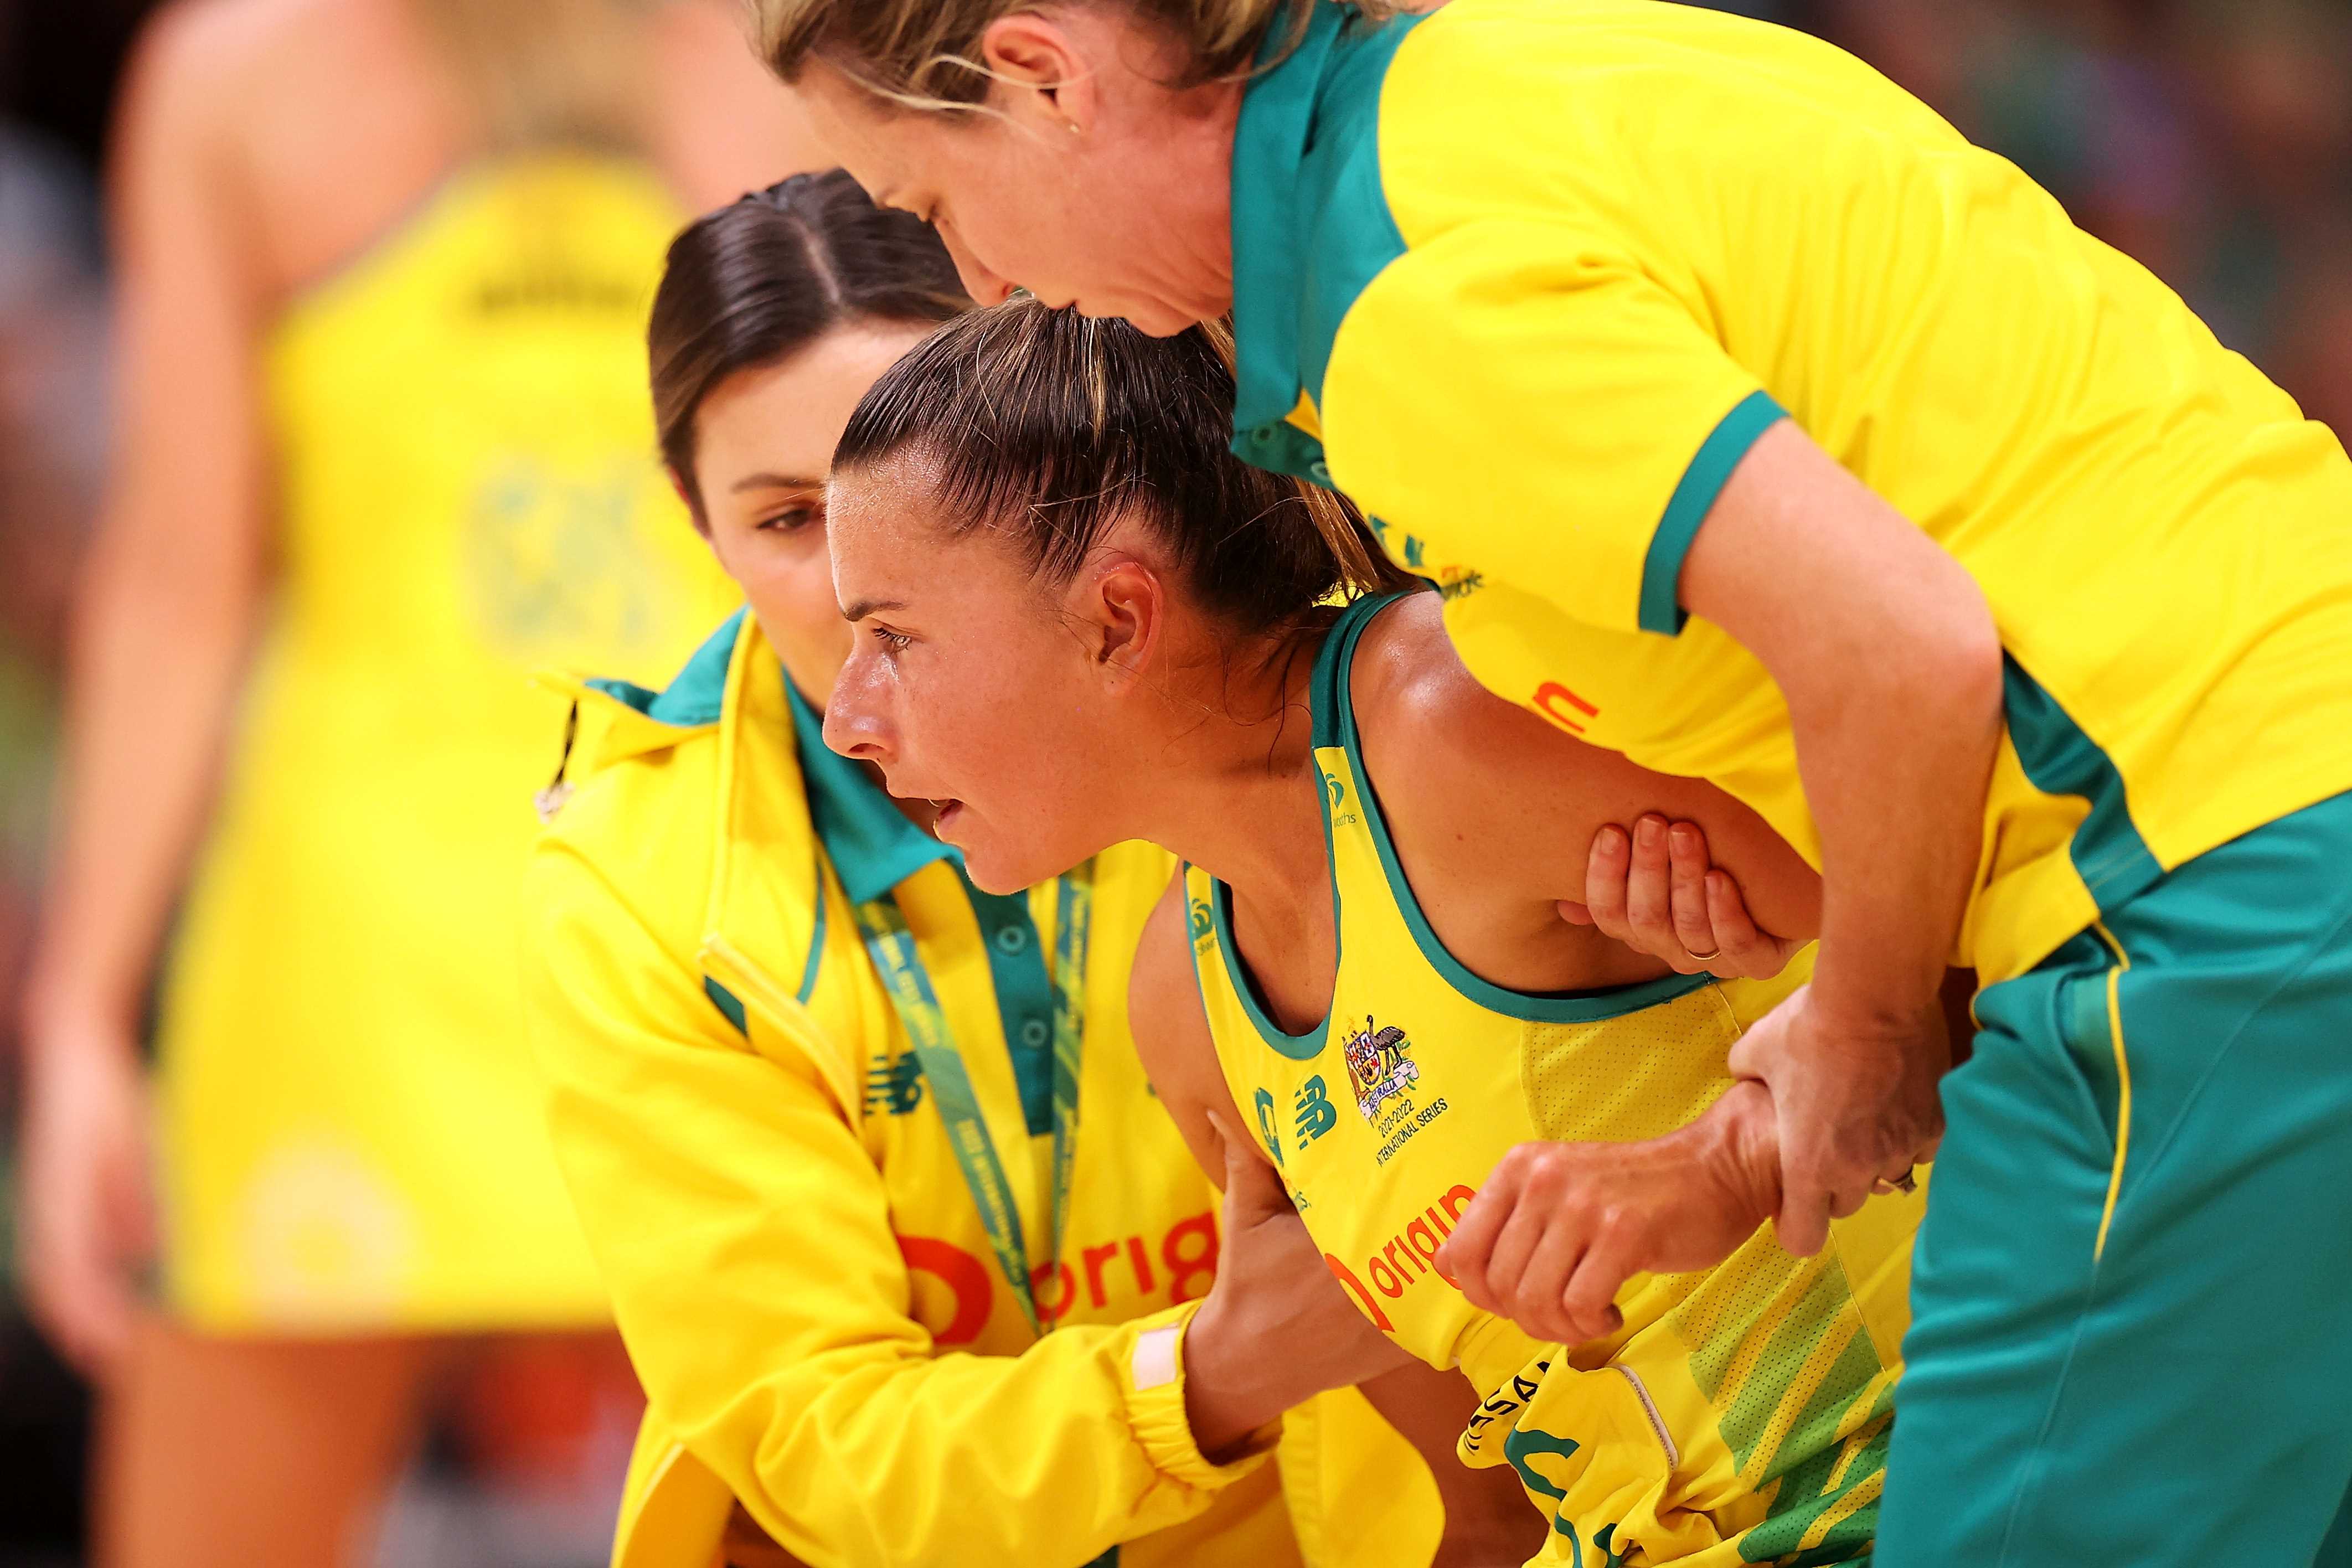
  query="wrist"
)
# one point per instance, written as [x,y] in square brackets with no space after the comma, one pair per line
[1225,1397]
[1740,1145]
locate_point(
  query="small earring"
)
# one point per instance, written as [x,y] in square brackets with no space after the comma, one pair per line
[1076,130]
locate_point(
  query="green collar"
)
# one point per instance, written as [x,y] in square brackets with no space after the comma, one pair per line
[694,698]
[1311,223]
[871,844]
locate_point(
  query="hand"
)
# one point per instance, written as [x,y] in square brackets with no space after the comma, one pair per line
[1558,1228]
[1276,1327]
[1856,1106]
[1657,892]
[86,1220]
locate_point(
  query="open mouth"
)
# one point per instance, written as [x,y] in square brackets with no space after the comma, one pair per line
[943,813]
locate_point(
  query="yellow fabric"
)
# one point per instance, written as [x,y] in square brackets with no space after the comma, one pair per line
[1621,218]
[1729,1396]
[462,463]
[803,1283]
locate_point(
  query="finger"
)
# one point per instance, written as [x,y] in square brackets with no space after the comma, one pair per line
[1605,870]
[1589,1303]
[1507,1262]
[1647,903]
[1804,1218]
[1574,913]
[1534,1298]
[1464,1255]
[1747,951]
[1686,869]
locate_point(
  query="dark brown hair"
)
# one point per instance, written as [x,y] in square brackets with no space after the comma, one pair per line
[760,278]
[1049,426]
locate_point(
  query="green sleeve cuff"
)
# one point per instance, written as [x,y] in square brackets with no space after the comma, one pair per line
[1692,499]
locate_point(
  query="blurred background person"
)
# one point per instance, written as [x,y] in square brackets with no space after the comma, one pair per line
[384,267]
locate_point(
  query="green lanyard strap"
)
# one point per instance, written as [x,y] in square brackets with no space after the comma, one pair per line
[892,947]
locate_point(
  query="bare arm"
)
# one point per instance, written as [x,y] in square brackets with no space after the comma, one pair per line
[1275,1329]
[163,620]
[1544,830]
[1887,653]
[1488,1520]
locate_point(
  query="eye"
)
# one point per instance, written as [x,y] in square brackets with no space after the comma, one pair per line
[791,519]
[895,641]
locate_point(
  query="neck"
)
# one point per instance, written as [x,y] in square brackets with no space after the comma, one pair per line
[1238,794]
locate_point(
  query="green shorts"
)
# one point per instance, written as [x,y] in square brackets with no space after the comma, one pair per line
[2131,1338]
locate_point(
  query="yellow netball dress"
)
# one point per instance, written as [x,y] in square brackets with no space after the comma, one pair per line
[353,1136]
[1742,1414]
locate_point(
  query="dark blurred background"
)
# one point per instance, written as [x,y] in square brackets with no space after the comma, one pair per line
[2212,139]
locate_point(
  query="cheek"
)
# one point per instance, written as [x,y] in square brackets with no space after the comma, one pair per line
[791,591]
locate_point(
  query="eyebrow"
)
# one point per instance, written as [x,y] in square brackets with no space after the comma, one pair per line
[865,607]
[773,481]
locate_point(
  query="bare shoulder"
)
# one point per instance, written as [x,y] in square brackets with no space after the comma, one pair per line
[1414,699]
[194,54]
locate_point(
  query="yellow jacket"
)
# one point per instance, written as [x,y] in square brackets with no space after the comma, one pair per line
[796,1264]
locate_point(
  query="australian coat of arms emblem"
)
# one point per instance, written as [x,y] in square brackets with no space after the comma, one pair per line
[1379,1067]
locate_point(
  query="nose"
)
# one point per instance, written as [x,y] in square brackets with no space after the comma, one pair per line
[855,724]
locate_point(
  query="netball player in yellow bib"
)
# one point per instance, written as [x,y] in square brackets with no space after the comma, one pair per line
[1766,431]
[913,1265]
[385,266]
[1036,527]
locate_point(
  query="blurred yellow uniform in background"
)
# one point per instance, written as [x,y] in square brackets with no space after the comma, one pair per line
[353,1136]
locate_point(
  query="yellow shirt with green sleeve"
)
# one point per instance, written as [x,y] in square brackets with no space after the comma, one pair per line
[1527,279]
[760,1158]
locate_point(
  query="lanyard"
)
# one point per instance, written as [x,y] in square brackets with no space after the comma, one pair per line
[892,947]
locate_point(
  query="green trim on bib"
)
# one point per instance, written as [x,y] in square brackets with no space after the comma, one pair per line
[1303,1047]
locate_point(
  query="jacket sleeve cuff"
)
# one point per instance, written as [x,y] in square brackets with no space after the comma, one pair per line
[1155,1407]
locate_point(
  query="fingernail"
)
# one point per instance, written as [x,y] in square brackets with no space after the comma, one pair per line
[1648,828]
[1686,838]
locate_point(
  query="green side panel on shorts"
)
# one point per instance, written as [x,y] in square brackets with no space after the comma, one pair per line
[2109,854]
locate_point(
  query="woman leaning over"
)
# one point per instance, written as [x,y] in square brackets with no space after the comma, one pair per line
[912,1264]
[1762,429]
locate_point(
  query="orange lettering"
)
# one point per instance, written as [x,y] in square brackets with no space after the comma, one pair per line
[1095,1257]
[1142,1261]
[1551,695]
[1363,1296]
[1190,1277]
[1393,1286]
[1066,1290]
[962,1273]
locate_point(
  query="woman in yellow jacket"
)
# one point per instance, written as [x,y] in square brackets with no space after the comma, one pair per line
[384,267]
[913,1265]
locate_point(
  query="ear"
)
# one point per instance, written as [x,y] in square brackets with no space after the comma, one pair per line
[1122,611]
[687,497]
[1042,78]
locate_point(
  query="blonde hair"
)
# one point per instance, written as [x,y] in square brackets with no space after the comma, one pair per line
[925,53]
[547,71]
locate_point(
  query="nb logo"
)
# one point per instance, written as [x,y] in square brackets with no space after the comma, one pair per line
[894,1084]
[1316,1115]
